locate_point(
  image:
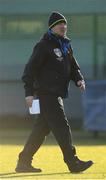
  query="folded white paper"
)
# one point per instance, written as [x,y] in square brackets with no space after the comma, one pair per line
[35,109]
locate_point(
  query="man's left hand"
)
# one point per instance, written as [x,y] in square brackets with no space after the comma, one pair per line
[81,84]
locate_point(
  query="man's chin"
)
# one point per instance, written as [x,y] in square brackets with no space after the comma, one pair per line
[63,34]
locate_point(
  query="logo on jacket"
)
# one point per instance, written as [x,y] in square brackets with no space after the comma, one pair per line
[58,52]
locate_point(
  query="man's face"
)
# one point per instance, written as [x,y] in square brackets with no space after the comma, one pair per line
[60,29]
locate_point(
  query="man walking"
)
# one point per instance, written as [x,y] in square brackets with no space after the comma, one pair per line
[47,76]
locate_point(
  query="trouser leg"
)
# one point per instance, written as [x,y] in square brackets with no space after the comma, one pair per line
[53,111]
[35,139]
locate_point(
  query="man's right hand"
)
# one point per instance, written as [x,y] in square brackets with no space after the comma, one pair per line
[29,100]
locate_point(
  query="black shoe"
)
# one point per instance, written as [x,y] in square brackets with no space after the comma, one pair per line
[76,165]
[22,168]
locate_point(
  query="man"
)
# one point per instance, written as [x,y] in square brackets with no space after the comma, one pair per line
[47,76]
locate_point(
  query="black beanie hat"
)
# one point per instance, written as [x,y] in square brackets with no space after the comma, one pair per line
[55,18]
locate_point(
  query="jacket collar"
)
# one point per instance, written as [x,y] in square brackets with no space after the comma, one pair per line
[49,35]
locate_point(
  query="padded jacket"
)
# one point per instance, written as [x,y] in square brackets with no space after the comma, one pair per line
[48,71]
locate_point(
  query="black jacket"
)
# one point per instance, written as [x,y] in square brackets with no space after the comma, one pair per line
[48,70]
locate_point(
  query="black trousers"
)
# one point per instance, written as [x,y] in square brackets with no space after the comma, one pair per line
[52,118]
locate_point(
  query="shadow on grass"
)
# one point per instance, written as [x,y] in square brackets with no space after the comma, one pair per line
[14,175]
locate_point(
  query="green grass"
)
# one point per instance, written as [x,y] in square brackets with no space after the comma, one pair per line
[49,156]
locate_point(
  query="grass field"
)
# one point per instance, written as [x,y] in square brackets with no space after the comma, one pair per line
[49,156]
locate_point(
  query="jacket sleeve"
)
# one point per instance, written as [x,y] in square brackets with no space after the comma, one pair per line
[32,68]
[75,70]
